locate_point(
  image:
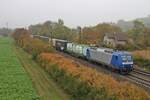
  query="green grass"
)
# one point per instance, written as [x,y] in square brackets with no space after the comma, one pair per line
[15,84]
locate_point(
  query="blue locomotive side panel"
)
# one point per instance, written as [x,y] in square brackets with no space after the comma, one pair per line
[116,61]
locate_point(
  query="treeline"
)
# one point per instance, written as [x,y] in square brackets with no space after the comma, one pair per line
[88,35]
[5,31]
[127,25]
[139,34]
[52,29]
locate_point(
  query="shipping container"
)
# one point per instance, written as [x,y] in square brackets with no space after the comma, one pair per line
[78,49]
[70,47]
[61,45]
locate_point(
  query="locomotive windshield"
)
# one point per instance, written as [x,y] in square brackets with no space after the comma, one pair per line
[129,58]
[126,58]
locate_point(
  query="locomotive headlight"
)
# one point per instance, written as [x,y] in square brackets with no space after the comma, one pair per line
[129,63]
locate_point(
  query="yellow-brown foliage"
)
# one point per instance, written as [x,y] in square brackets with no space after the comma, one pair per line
[123,90]
[145,54]
[33,46]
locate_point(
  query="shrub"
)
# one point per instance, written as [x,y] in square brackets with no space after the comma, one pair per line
[86,83]
[142,58]
[36,46]
[77,88]
[144,54]
[33,46]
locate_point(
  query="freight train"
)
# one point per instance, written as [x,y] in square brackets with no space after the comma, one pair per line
[118,60]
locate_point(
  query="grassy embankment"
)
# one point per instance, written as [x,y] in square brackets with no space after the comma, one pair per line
[44,84]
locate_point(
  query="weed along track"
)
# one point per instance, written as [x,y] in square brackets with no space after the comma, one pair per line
[43,83]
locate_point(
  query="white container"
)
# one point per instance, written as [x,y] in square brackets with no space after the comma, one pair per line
[78,49]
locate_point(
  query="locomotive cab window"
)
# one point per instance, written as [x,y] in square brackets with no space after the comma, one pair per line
[129,58]
[116,57]
[124,58]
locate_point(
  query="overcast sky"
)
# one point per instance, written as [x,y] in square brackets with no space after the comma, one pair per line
[21,13]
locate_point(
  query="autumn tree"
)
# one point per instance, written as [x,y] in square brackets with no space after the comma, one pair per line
[140,34]
[20,34]
[95,34]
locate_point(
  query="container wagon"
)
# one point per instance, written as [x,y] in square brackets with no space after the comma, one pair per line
[77,49]
[60,45]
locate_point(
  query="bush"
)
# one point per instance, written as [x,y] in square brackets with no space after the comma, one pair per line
[142,62]
[86,83]
[142,58]
[75,87]
[36,46]
[33,46]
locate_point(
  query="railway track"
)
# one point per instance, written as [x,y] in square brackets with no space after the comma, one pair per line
[136,70]
[137,76]
[140,77]
[138,80]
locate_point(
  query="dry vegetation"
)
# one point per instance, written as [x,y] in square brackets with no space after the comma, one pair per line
[33,46]
[123,91]
[145,54]
[142,59]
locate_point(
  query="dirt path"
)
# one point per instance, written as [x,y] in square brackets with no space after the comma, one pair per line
[44,85]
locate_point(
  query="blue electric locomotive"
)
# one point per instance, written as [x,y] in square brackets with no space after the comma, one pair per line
[122,61]
[119,60]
